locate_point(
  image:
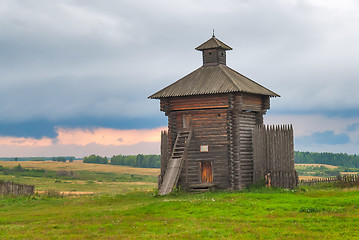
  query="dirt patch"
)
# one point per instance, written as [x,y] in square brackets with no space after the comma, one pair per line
[68,192]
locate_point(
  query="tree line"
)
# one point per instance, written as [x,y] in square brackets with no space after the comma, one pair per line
[63,159]
[336,159]
[154,161]
[56,159]
[139,160]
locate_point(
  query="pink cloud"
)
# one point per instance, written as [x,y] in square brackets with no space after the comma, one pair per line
[107,136]
[8,141]
[83,142]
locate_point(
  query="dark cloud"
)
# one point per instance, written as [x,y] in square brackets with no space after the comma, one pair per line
[45,128]
[95,61]
[322,138]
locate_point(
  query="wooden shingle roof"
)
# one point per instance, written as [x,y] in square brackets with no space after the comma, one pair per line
[213,43]
[212,80]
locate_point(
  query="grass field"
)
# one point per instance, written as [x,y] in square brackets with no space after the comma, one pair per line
[82,177]
[124,205]
[262,214]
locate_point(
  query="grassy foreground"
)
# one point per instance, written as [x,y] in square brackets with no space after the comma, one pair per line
[262,214]
[123,205]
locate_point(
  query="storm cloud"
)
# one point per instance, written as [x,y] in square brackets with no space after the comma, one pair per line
[88,64]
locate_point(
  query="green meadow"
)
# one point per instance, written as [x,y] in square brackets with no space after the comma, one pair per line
[320,212]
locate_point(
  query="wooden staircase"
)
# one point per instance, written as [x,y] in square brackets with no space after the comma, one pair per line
[174,166]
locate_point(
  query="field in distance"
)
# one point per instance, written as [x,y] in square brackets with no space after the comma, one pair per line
[80,177]
[315,165]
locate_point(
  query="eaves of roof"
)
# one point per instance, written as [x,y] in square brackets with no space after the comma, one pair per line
[212,80]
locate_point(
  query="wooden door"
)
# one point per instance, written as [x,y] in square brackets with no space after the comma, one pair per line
[206,172]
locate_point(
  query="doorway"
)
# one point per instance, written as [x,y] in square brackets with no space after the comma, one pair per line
[206,172]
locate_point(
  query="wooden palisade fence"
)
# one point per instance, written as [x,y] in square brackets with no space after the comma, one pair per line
[273,156]
[11,188]
[164,156]
[338,179]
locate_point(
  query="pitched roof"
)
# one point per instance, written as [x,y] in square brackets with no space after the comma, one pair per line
[213,43]
[212,80]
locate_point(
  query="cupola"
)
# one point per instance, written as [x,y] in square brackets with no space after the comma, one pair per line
[213,52]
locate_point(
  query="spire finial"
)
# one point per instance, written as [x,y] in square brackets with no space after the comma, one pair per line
[213,33]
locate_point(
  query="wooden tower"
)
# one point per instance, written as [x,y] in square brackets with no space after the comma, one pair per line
[211,115]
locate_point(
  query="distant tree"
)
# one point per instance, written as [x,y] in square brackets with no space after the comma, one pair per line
[95,159]
[19,168]
[59,159]
[140,160]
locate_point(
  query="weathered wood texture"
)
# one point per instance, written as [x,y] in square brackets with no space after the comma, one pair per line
[214,56]
[233,139]
[196,103]
[225,123]
[273,155]
[11,188]
[208,119]
[175,163]
[247,121]
[164,156]
[351,180]
[209,128]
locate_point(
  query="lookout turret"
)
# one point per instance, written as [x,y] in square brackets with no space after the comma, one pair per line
[213,52]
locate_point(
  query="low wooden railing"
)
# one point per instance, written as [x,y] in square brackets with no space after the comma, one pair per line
[11,188]
[339,179]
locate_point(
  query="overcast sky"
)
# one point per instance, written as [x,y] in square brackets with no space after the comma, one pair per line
[75,75]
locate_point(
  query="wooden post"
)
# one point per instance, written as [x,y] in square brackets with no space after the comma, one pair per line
[164,155]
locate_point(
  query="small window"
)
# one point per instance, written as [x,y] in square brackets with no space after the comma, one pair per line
[222,54]
[203,148]
[218,115]
[210,53]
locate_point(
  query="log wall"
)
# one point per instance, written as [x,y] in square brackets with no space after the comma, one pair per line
[214,56]
[225,123]
[195,102]
[209,128]
[247,121]
[273,155]
[208,119]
